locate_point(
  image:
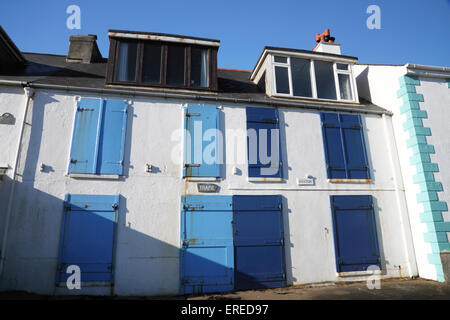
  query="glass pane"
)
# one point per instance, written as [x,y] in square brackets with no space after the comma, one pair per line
[199,67]
[342,66]
[345,87]
[280,59]
[175,65]
[126,63]
[282,79]
[151,64]
[301,79]
[326,88]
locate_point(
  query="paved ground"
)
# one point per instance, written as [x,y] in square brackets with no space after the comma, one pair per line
[390,289]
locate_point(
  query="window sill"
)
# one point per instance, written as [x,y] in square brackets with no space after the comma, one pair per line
[358,273]
[349,180]
[94,176]
[201,178]
[264,179]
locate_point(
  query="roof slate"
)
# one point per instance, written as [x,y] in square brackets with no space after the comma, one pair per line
[233,84]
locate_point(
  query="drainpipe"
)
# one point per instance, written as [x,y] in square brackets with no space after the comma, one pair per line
[29,94]
[402,207]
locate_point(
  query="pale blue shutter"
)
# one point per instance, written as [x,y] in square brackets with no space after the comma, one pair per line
[83,154]
[112,139]
[198,120]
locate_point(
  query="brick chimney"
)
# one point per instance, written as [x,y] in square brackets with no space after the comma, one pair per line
[326,44]
[83,49]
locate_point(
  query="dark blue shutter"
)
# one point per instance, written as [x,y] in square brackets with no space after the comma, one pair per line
[85,141]
[262,119]
[258,241]
[355,234]
[344,146]
[206,255]
[112,141]
[87,236]
[196,165]
[355,150]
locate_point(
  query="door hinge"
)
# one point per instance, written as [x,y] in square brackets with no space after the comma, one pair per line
[189,165]
[192,115]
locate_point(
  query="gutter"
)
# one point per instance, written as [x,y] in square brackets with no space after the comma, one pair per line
[172,95]
[427,71]
[29,93]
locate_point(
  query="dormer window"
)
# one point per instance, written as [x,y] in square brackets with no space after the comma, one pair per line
[311,78]
[156,60]
[306,74]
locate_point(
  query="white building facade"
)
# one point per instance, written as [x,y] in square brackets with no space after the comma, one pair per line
[118,173]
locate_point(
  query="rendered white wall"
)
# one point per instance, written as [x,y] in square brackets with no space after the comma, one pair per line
[149,214]
[379,84]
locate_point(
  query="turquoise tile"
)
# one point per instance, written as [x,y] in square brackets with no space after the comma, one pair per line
[427,167]
[416,140]
[423,176]
[427,196]
[434,237]
[419,158]
[431,216]
[435,206]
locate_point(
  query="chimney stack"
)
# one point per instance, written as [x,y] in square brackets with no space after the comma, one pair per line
[325,43]
[83,49]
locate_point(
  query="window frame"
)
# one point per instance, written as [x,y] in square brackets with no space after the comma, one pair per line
[313,81]
[114,55]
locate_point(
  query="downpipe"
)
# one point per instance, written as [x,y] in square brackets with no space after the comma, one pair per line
[29,94]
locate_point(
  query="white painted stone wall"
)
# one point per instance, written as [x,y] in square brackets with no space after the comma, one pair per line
[147,257]
[379,84]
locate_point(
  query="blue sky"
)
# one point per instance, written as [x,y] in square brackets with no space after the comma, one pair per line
[414,31]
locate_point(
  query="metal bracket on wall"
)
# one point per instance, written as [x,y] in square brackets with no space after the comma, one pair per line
[7,118]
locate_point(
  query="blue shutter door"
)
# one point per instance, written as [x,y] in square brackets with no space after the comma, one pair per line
[87,237]
[355,235]
[112,142]
[258,242]
[332,141]
[208,117]
[355,151]
[83,155]
[206,255]
[262,119]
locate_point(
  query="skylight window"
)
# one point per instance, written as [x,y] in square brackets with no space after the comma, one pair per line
[312,78]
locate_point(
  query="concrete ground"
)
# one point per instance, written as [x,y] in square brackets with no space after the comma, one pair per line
[391,289]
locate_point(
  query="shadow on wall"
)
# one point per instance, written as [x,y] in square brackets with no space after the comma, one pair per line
[363,84]
[139,265]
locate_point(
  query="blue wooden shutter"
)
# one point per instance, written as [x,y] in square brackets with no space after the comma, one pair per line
[344,146]
[83,154]
[206,254]
[206,117]
[355,234]
[355,150]
[87,236]
[262,119]
[258,241]
[112,139]
[332,141]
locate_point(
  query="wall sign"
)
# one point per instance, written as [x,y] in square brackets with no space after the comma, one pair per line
[207,187]
[7,118]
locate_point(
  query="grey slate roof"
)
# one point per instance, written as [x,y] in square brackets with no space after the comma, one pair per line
[52,69]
